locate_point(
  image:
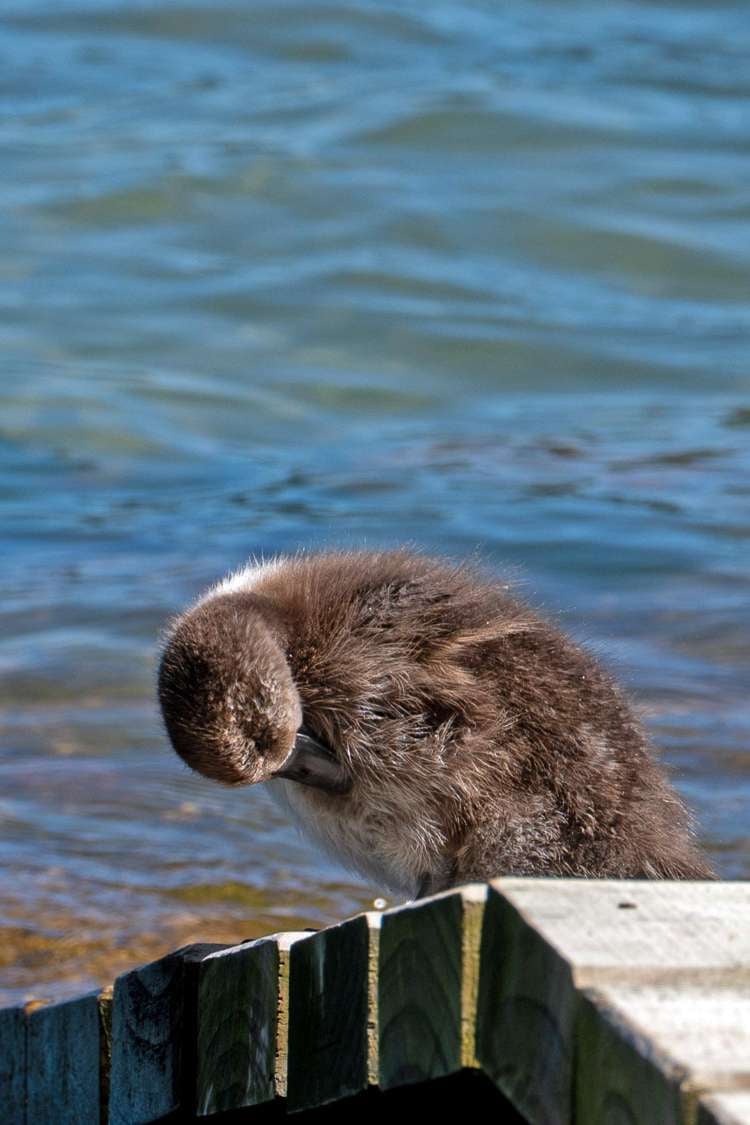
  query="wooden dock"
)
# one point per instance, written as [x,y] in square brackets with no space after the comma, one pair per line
[549,1002]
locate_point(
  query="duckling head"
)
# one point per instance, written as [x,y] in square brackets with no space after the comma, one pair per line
[230,705]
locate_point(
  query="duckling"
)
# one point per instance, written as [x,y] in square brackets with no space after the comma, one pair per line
[420,722]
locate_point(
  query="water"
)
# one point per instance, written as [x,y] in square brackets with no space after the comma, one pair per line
[468,275]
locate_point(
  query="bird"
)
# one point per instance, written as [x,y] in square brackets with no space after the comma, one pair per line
[421,723]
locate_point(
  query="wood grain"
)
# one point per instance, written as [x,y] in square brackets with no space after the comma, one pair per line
[374,919]
[328,1015]
[654,1049]
[544,940]
[525,1015]
[148,1038]
[236,1025]
[473,900]
[13,1065]
[284,943]
[607,929]
[623,1003]
[63,1062]
[428,978]
[105,1050]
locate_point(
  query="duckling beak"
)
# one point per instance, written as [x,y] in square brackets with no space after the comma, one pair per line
[311,762]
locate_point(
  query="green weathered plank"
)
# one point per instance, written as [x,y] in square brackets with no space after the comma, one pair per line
[428,958]
[374,918]
[105,1050]
[545,939]
[525,1016]
[237,1009]
[328,1015]
[285,943]
[610,928]
[63,1062]
[473,899]
[150,1039]
[623,1077]
[13,1066]
[654,1049]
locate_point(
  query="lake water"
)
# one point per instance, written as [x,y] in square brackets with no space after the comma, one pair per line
[468,275]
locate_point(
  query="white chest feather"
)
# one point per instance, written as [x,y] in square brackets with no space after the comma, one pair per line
[350,839]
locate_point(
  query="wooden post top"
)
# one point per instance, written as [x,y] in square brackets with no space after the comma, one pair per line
[582,1001]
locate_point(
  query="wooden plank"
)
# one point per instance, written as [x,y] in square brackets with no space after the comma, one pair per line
[374,919]
[725,1109]
[543,939]
[63,1062]
[13,1065]
[148,1040]
[608,928]
[473,899]
[237,1007]
[328,1014]
[105,1050]
[525,1015]
[626,1078]
[428,979]
[281,1066]
[653,1049]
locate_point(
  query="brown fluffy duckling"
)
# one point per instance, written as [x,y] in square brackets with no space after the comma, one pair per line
[425,726]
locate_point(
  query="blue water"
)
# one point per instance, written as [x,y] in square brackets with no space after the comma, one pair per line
[468,275]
